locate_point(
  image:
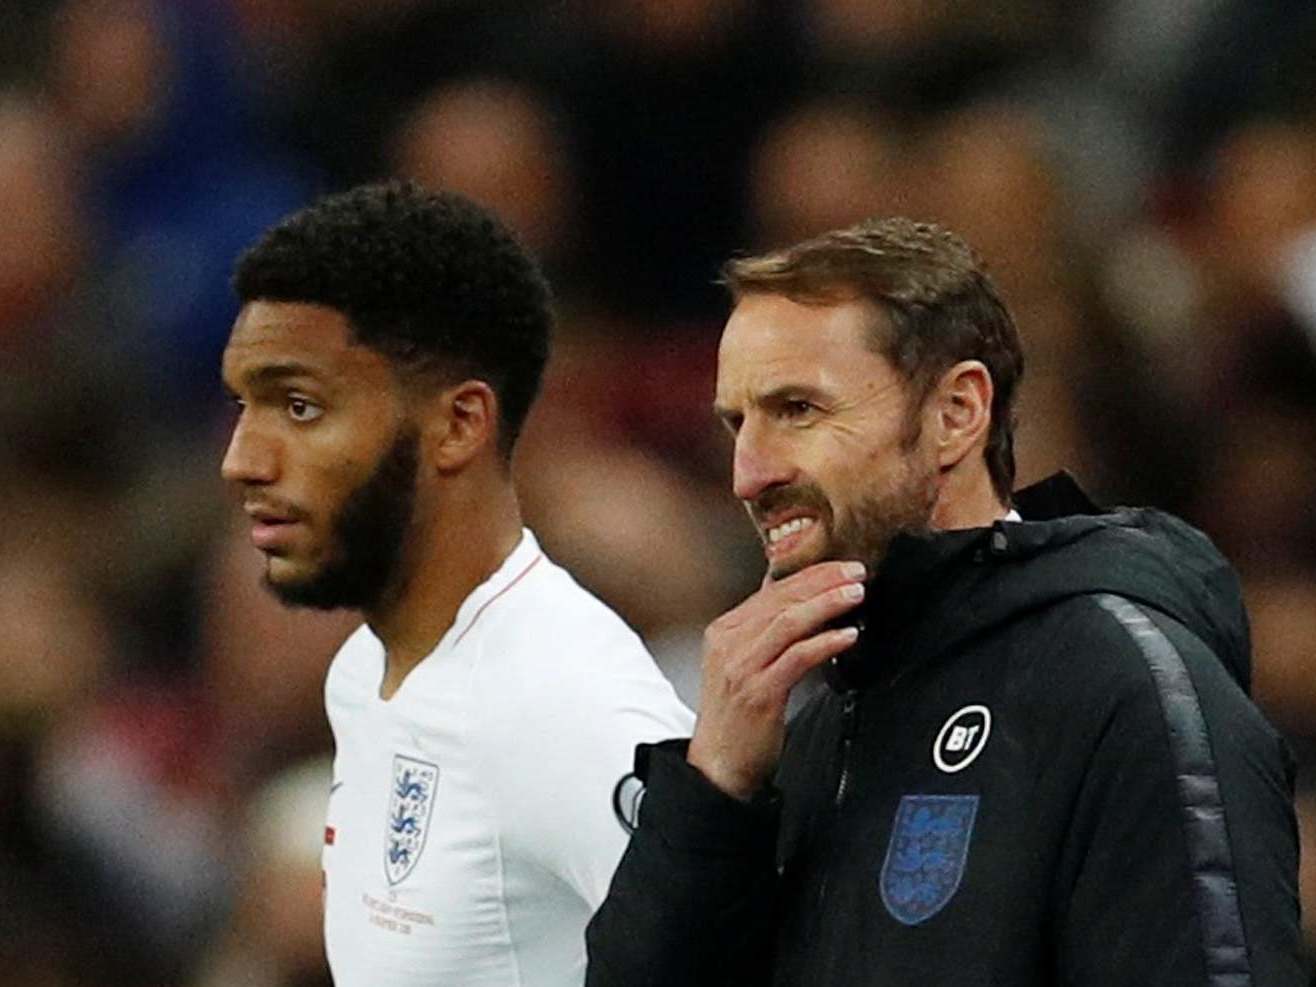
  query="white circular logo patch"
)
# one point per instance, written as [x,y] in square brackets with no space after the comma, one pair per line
[962,738]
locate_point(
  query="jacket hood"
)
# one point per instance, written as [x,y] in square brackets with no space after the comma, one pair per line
[934,593]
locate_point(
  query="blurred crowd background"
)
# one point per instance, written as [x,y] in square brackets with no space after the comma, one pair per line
[1139,174]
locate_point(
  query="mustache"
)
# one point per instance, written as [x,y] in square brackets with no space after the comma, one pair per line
[777,499]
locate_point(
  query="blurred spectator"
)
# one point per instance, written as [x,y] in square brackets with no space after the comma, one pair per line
[131,797]
[143,786]
[641,536]
[274,936]
[1211,301]
[971,161]
[1261,197]
[496,142]
[1257,488]
[826,165]
[175,178]
[310,58]
[111,72]
[57,642]
[974,160]
[41,238]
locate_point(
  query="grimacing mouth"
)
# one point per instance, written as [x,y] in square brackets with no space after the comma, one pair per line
[786,524]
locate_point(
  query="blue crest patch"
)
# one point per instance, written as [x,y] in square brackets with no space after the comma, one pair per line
[927,853]
[410,802]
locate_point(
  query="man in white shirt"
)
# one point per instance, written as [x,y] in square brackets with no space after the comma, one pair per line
[389,345]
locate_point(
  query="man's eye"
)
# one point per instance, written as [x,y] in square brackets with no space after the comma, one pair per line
[796,409]
[302,410]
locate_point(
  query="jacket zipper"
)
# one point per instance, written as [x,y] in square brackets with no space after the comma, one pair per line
[849,722]
[849,719]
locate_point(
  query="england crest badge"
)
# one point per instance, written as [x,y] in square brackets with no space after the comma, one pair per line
[927,853]
[410,802]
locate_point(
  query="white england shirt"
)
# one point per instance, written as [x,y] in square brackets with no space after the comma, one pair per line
[470,831]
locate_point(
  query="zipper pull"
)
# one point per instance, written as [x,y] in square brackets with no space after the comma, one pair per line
[849,726]
[849,714]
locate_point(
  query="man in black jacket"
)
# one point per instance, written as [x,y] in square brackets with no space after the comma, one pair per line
[1036,762]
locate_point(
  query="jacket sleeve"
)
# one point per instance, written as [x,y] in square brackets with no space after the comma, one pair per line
[1182,851]
[693,901]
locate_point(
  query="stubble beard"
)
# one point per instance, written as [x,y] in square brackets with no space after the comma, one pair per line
[368,537]
[864,530]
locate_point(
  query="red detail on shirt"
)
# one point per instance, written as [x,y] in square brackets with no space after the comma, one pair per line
[534,562]
[329,836]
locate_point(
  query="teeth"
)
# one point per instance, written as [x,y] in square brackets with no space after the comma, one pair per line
[779,532]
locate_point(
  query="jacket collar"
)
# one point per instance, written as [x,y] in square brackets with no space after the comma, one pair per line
[918,576]
[1059,495]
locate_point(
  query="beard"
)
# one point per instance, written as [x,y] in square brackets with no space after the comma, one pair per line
[366,537]
[863,531]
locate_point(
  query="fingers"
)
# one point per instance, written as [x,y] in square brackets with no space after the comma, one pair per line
[784,625]
[800,620]
[817,578]
[802,657]
[774,598]
[753,656]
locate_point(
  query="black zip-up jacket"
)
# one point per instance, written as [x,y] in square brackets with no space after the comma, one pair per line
[1038,766]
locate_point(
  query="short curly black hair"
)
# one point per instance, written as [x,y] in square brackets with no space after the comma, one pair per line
[427,278]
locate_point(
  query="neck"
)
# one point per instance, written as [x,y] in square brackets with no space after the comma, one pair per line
[460,538]
[966,499]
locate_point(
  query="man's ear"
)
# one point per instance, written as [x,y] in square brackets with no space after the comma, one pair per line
[963,412]
[463,422]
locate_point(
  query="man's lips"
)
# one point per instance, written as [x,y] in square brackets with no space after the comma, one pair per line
[270,527]
[789,516]
[268,535]
[785,532]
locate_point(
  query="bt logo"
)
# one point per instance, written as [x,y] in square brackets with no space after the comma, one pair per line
[962,738]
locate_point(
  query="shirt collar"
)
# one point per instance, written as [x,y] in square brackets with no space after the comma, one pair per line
[524,557]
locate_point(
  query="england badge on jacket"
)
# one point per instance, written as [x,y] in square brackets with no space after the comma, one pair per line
[410,803]
[927,853]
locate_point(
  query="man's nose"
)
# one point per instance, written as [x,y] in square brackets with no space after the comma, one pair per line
[250,457]
[757,465]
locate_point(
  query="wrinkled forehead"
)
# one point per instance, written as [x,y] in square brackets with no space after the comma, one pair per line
[771,341]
